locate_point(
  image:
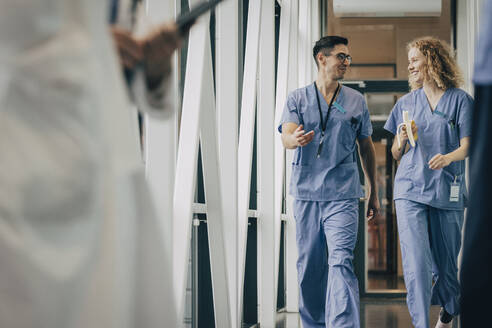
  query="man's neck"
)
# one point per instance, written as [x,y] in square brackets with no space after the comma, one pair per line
[326,86]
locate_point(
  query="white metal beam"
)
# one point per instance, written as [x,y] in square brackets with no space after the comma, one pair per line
[268,238]
[213,197]
[226,76]
[186,166]
[283,68]
[246,134]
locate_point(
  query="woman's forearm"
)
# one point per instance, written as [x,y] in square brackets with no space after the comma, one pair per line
[439,160]
[396,151]
[461,153]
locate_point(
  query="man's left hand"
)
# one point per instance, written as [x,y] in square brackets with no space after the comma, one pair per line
[372,207]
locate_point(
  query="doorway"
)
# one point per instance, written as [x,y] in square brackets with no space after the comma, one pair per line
[377,254]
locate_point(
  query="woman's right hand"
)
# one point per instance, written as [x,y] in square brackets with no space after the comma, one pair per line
[404,134]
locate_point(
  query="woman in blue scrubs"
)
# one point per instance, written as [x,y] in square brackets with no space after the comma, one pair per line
[429,188]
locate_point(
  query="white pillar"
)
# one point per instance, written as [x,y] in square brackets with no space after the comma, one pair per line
[315,33]
[292,290]
[213,197]
[226,77]
[304,43]
[268,223]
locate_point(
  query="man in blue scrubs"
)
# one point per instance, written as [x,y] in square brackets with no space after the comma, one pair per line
[323,121]
[477,248]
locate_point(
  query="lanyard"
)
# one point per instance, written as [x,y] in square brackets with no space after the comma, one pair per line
[324,123]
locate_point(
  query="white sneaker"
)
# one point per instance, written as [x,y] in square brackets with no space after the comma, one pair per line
[441,324]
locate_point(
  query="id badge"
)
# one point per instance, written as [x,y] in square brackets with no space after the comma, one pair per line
[454,195]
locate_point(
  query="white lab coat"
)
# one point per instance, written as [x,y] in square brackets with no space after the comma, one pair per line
[80,245]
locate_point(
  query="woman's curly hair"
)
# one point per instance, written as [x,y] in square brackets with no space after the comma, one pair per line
[441,67]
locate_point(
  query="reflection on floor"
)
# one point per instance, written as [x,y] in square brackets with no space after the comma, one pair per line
[390,314]
[385,281]
[375,313]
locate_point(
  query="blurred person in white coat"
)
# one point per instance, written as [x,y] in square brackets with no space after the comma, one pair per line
[80,245]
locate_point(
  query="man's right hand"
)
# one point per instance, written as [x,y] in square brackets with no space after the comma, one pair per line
[294,136]
[301,137]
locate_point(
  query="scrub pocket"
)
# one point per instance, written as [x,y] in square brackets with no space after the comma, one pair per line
[300,180]
[345,132]
[339,142]
[447,178]
[448,135]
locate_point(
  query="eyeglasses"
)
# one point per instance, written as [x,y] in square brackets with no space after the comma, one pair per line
[341,57]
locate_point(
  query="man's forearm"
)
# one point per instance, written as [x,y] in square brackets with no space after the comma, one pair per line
[289,141]
[368,155]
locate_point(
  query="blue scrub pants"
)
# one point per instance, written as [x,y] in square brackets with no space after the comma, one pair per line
[430,240]
[326,233]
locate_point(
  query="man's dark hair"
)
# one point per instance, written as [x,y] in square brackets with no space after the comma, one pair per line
[326,44]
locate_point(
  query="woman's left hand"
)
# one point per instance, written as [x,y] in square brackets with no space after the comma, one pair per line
[439,161]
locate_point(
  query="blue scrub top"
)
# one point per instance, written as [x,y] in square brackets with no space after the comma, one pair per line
[334,175]
[439,131]
[483,61]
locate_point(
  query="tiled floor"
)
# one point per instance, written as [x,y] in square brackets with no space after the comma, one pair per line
[379,313]
[390,281]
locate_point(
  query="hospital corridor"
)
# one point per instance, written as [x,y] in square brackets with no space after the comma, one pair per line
[245,163]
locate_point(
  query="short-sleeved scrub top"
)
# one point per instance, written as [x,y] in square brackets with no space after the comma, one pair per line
[439,132]
[333,175]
